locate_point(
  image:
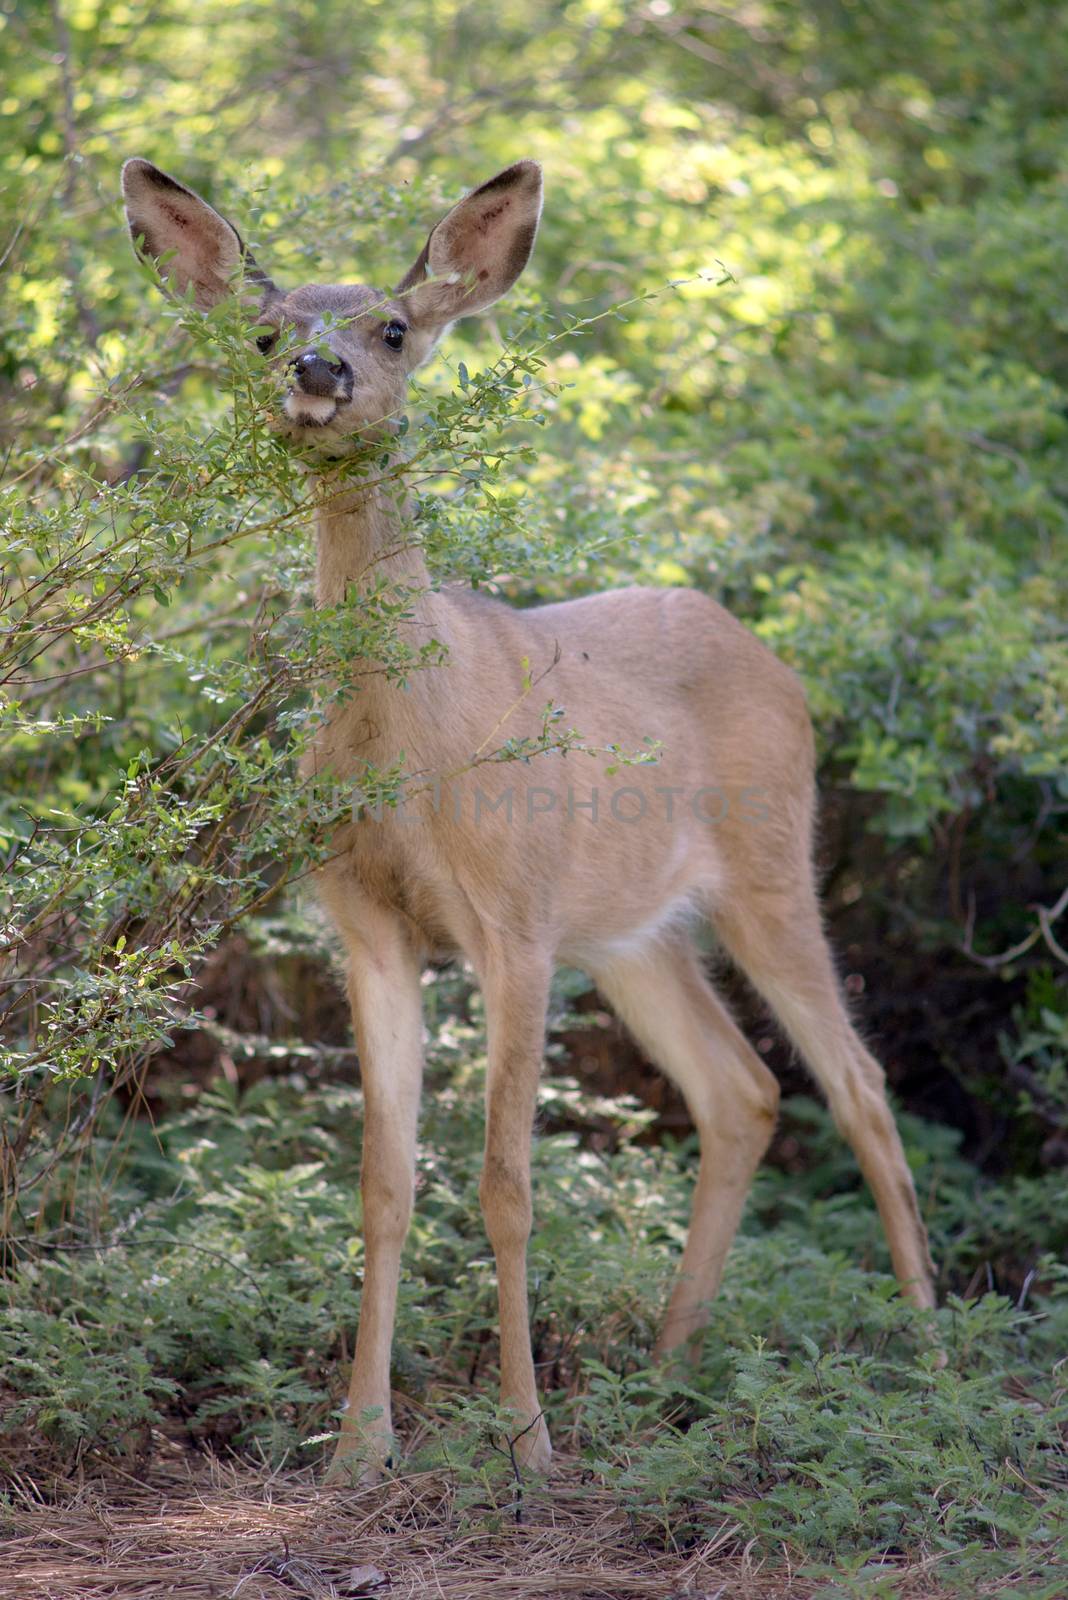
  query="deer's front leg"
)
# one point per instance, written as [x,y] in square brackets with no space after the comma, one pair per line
[516,998]
[387,1019]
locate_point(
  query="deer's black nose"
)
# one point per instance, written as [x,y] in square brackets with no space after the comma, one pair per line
[316,376]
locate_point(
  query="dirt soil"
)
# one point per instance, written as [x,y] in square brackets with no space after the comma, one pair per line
[206,1530]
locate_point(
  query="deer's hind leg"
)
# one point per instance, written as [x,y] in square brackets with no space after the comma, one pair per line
[674,1013]
[775,935]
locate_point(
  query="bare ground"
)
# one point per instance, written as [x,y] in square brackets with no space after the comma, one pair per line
[207,1530]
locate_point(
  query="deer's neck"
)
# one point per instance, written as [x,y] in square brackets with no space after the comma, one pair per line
[365,542]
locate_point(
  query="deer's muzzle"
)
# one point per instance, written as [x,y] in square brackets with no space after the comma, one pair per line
[328,380]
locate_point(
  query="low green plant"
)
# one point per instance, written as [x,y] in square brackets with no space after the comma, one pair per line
[819,1418]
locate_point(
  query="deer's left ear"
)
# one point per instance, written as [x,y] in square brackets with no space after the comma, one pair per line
[169,217]
[476,252]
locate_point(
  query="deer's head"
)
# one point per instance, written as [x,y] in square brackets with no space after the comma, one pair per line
[348,348]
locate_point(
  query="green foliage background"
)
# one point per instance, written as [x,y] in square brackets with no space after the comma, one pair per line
[801,274]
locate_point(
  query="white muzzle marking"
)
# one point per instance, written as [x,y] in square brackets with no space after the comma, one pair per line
[315,409]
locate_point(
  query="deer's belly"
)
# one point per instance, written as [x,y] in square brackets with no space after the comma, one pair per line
[584,889]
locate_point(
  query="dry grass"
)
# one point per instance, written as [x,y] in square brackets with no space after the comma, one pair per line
[211,1531]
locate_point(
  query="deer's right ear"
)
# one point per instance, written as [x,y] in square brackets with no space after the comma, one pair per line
[476,252]
[163,215]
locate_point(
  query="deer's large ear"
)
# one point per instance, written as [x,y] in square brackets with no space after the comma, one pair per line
[167,216]
[478,250]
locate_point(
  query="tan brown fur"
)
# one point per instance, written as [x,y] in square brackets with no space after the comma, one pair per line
[551,885]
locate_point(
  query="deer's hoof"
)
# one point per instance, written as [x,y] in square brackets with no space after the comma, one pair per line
[354,1466]
[533,1451]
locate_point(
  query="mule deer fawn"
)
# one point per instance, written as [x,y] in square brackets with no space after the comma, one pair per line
[529,865]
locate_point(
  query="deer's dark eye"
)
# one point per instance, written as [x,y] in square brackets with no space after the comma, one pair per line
[393,333]
[265,342]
